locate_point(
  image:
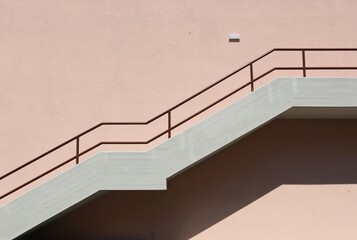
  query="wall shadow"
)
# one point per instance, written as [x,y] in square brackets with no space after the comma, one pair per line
[281,152]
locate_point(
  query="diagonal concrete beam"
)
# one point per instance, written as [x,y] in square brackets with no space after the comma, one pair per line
[150,170]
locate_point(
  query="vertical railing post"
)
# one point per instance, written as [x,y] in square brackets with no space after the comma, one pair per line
[303,63]
[251,77]
[77,150]
[169,123]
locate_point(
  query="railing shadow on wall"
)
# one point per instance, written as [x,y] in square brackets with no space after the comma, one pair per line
[168,113]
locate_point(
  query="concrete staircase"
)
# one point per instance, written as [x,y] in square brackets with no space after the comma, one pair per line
[283,97]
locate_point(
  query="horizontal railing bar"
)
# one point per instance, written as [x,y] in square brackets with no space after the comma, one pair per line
[276,68]
[124,123]
[301,68]
[316,49]
[263,75]
[108,123]
[89,149]
[289,68]
[122,142]
[331,68]
[315,68]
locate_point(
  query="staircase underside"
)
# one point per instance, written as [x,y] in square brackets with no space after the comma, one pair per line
[283,97]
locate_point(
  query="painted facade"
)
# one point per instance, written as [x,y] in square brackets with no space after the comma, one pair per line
[68,65]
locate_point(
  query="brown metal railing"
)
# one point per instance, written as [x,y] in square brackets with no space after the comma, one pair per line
[168,113]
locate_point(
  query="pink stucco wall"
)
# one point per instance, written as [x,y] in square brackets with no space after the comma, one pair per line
[68,65]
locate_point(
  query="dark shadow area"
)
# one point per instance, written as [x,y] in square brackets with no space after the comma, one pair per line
[282,152]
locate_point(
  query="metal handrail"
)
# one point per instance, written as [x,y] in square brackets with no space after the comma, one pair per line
[168,112]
